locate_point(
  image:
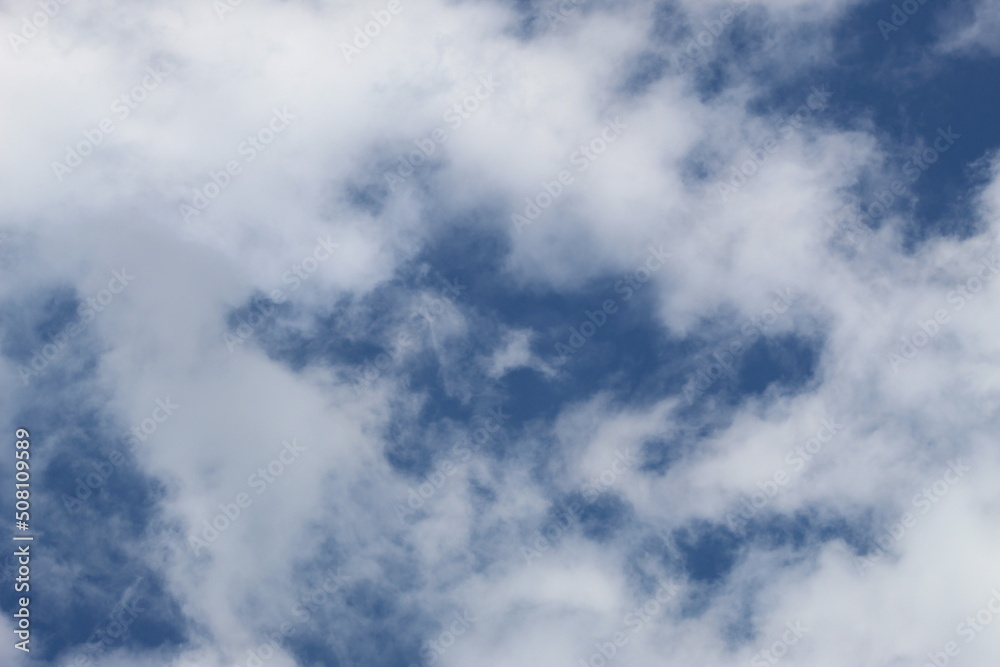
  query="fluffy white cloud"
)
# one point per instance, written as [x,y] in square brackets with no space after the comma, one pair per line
[907,345]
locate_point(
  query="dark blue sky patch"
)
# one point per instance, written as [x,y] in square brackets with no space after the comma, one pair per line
[91,480]
[91,472]
[483,494]
[265,324]
[370,626]
[708,551]
[630,357]
[141,615]
[704,50]
[799,535]
[630,354]
[350,610]
[751,35]
[425,375]
[529,396]
[805,529]
[410,447]
[317,651]
[468,249]
[30,324]
[95,486]
[712,52]
[156,618]
[728,361]
[58,309]
[909,92]
[605,517]
[333,337]
[658,455]
[670,23]
[416,440]
[369,599]
[867,527]
[789,361]
[450,271]
[598,518]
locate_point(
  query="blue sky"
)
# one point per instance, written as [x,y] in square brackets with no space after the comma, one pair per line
[508,333]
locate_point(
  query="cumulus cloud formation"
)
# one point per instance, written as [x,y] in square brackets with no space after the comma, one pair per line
[499,333]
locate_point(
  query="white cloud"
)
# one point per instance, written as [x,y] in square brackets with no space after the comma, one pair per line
[164,335]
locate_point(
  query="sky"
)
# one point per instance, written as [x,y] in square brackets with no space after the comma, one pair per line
[500,332]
